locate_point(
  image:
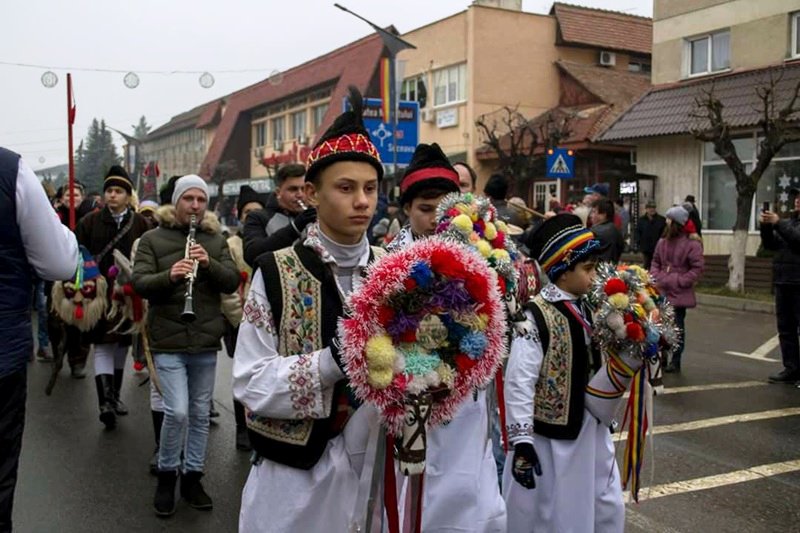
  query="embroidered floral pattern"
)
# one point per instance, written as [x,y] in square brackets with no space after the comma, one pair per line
[258,315]
[289,431]
[519,430]
[315,243]
[302,386]
[552,399]
[404,238]
[300,319]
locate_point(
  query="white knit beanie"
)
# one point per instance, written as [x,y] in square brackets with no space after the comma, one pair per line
[190,181]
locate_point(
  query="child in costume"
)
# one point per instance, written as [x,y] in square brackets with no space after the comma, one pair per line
[562,474]
[460,472]
[308,434]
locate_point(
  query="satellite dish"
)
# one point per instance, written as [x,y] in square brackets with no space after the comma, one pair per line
[206,80]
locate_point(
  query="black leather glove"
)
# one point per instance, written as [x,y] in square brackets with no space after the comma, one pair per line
[304,219]
[526,462]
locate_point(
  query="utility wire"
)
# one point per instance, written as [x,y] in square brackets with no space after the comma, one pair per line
[121,71]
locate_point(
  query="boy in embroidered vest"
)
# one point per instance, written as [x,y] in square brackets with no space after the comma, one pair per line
[459,474]
[565,478]
[308,437]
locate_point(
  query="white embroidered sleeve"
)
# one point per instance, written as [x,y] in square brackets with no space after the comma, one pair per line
[268,384]
[522,373]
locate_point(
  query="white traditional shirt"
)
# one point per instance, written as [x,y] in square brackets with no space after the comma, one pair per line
[522,372]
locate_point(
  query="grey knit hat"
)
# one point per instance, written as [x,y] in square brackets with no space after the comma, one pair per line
[678,214]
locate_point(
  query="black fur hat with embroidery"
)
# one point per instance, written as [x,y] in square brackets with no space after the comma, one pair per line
[345,140]
[429,169]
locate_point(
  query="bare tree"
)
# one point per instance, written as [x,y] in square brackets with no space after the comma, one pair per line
[777,124]
[514,139]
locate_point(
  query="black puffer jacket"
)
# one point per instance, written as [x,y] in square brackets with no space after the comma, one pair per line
[784,238]
[158,250]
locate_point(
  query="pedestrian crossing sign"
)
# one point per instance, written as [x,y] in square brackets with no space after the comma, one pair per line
[560,163]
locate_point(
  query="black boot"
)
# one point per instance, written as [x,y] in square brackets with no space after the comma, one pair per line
[192,491]
[164,501]
[119,407]
[158,420]
[105,395]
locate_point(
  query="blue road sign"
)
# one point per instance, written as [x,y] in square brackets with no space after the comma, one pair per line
[560,163]
[381,132]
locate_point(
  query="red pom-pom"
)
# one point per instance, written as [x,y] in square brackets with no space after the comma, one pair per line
[500,240]
[79,312]
[464,363]
[127,290]
[477,288]
[453,212]
[409,335]
[138,366]
[385,315]
[443,263]
[480,226]
[243,277]
[628,318]
[501,284]
[400,381]
[635,332]
[615,286]
[409,284]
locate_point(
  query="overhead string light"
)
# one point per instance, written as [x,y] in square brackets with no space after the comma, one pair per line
[131,79]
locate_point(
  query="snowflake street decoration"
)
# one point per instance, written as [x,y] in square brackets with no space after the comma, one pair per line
[784,181]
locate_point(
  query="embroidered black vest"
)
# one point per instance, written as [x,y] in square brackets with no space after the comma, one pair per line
[567,366]
[300,443]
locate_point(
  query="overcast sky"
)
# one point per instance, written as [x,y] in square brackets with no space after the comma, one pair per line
[167,35]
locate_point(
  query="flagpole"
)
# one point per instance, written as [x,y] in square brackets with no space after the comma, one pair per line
[71,183]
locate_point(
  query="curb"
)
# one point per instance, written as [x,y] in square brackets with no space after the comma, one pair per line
[735,304]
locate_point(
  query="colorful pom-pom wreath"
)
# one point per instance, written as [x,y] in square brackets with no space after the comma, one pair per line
[447,334]
[615,286]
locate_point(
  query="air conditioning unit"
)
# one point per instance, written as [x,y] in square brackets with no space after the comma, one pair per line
[302,140]
[428,115]
[608,59]
[277,145]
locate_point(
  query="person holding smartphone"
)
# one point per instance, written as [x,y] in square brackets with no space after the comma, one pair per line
[783,237]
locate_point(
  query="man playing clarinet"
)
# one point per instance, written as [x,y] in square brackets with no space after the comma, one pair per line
[184,349]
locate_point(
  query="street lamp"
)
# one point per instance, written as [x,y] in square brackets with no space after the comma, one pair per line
[394,45]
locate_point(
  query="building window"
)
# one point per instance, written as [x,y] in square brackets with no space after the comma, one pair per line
[795,45]
[709,53]
[260,135]
[639,64]
[319,116]
[450,85]
[718,209]
[299,124]
[409,90]
[277,130]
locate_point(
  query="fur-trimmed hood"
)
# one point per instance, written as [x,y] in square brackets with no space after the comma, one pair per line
[167,218]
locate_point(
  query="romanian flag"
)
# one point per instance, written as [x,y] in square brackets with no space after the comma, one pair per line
[385,80]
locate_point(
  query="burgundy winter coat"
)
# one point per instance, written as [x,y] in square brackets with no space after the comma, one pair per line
[677,265]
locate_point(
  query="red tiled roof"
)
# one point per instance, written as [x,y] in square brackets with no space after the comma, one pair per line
[600,28]
[353,64]
[211,114]
[666,108]
[191,119]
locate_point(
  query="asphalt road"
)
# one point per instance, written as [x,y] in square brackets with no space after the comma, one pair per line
[708,473]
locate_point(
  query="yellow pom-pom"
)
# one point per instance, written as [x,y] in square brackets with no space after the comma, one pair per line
[474,216]
[484,248]
[463,208]
[501,226]
[446,374]
[380,379]
[638,311]
[482,321]
[500,255]
[490,232]
[619,300]
[463,223]
[380,352]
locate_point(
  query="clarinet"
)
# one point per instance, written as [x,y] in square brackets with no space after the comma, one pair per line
[188,304]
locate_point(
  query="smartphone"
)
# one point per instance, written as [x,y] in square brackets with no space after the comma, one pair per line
[765,207]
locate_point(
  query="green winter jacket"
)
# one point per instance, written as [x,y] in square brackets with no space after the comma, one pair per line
[158,250]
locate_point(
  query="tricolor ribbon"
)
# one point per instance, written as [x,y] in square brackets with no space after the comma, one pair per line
[637,418]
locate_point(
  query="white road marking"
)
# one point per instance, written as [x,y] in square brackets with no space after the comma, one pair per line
[718,421]
[719,480]
[760,353]
[709,386]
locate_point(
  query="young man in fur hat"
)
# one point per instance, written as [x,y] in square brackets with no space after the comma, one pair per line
[561,474]
[456,456]
[115,227]
[307,434]
[184,353]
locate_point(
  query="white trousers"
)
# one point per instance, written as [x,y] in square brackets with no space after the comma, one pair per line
[281,499]
[579,490]
[108,357]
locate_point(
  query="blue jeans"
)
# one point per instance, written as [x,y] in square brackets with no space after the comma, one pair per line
[187,383]
[40,302]
[680,321]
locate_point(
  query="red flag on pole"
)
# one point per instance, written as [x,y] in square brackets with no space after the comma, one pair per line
[71,108]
